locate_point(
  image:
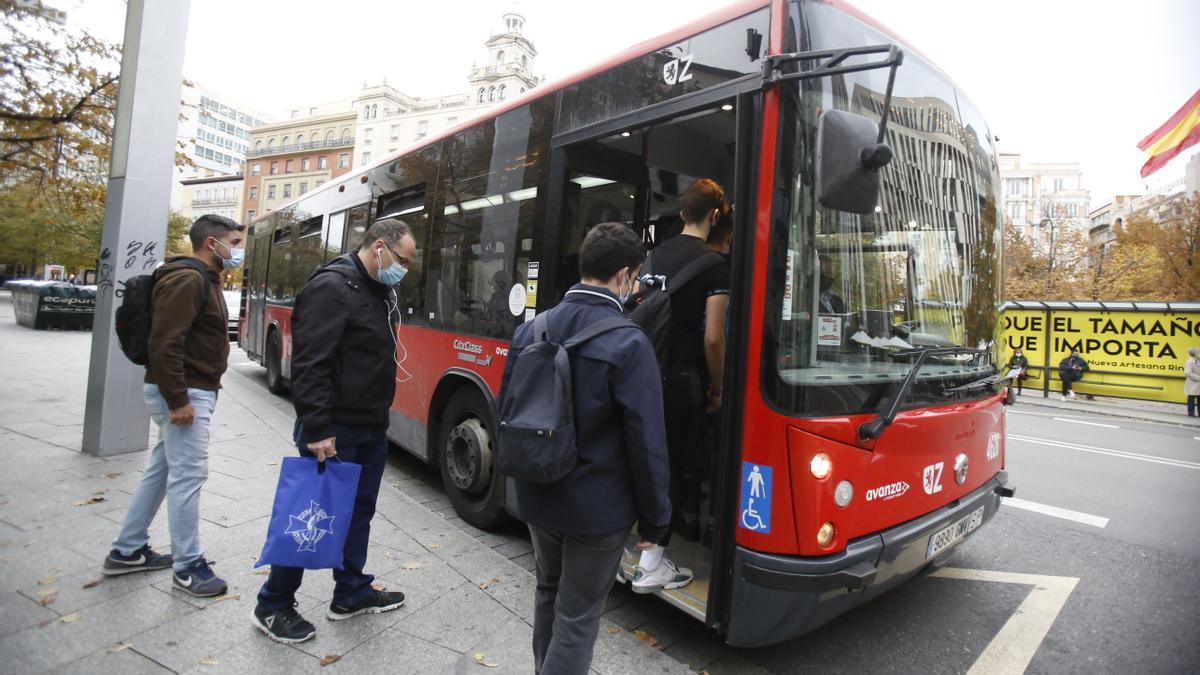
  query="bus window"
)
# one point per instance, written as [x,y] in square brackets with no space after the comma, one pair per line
[308,253]
[280,288]
[409,206]
[481,239]
[333,237]
[356,226]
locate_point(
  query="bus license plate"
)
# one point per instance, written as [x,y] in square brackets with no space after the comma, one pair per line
[945,538]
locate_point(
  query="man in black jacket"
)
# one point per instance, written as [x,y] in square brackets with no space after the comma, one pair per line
[579,524]
[343,383]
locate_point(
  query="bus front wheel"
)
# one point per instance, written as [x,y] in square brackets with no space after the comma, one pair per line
[274,366]
[464,453]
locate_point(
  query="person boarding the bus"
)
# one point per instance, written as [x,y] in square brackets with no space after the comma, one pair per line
[579,523]
[188,349]
[694,370]
[343,384]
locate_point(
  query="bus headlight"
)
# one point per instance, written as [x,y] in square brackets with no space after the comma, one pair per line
[843,493]
[825,535]
[820,466]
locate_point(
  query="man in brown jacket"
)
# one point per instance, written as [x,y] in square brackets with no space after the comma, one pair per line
[189,351]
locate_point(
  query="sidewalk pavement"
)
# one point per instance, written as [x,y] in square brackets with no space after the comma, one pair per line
[1144,411]
[468,607]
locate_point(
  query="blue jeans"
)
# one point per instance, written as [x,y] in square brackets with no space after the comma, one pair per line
[177,470]
[368,448]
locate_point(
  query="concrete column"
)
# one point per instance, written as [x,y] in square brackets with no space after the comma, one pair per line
[135,213]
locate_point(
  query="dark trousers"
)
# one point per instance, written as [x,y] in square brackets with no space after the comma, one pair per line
[574,575]
[368,448]
[683,415]
[1193,405]
[1066,383]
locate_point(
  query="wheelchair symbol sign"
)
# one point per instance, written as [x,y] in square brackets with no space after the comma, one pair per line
[755,502]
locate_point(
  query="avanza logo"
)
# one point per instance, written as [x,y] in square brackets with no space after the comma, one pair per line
[886,492]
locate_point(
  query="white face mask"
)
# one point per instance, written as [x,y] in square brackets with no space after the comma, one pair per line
[624,297]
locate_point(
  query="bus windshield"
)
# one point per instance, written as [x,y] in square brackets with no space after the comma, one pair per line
[852,299]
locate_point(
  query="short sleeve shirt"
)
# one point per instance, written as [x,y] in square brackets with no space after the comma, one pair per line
[688,303]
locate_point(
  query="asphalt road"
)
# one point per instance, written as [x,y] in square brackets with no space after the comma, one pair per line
[1110,583]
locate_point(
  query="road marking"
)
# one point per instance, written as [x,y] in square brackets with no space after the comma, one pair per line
[1066,514]
[1018,640]
[1178,463]
[1093,424]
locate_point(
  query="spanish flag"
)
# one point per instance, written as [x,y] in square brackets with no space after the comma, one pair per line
[1179,133]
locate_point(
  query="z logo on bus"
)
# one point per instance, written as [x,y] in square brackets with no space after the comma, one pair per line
[933,478]
[676,70]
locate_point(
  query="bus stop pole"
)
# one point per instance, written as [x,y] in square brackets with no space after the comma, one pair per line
[135,213]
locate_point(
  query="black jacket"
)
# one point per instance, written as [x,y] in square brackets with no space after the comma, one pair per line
[343,350]
[622,474]
[1072,367]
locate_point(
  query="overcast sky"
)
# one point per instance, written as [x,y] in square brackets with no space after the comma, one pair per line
[1058,80]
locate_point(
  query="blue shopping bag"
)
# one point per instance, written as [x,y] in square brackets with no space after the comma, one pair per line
[313,505]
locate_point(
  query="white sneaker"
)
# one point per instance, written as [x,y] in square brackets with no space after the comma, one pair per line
[1072,394]
[666,576]
[1062,396]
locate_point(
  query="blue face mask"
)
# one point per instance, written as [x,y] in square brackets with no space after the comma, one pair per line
[236,256]
[391,276]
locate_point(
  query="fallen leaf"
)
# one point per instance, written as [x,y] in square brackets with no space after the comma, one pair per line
[47,600]
[70,618]
[411,566]
[272,463]
[119,647]
[56,570]
[94,499]
[645,637]
[614,629]
[481,659]
[29,543]
[483,587]
[380,587]
[111,476]
[330,658]
[47,581]
[223,598]
[208,661]
[46,591]
[264,570]
[93,583]
[434,546]
[45,623]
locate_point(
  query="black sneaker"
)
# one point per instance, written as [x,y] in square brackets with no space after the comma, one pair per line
[143,560]
[375,603]
[284,625]
[198,579]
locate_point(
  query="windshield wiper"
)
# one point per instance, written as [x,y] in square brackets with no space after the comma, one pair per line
[872,430]
[982,382]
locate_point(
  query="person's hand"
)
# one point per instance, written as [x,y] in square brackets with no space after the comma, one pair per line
[184,416]
[644,545]
[324,449]
[714,400]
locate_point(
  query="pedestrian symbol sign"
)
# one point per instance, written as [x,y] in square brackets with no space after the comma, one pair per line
[755,503]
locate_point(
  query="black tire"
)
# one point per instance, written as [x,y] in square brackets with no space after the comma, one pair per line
[463,449]
[275,382]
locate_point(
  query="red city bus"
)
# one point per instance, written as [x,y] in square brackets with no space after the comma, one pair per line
[862,435]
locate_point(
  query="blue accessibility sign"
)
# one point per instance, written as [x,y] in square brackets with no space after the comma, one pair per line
[755,503]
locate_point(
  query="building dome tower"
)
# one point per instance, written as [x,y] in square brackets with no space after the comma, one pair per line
[509,69]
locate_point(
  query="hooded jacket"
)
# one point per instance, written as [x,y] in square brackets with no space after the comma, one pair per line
[189,335]
[343,350]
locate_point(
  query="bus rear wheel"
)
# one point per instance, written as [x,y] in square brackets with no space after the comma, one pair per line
[464,454]
[275,383]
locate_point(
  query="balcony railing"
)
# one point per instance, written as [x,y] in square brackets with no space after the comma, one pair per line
[299,147]
[214,202]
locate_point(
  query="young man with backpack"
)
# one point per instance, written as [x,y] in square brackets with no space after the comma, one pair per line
[185,347]
[611,471]
[343,384]
[692,361]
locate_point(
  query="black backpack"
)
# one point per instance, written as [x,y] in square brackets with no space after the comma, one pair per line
[536,442]
[652,304]
[132,318]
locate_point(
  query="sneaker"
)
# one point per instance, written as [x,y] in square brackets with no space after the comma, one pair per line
[198,579]
[1072,395]
[1062,396]
[375,603]
[143,560]
[284,625]
[665,577]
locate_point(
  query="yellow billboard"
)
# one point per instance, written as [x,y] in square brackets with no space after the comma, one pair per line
[1131,353]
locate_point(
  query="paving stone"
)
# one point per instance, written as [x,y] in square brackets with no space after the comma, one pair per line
[395,651]
[71,596]
[125,661]
[56,644]
[18,612]
[620,653]
[457,618]
[509,647]
[181,643]
[517,595]
[256,655]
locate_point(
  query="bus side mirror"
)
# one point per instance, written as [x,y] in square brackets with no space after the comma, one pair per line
[849,157]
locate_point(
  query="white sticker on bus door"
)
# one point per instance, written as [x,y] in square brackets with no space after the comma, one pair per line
[787,285]
[516,299]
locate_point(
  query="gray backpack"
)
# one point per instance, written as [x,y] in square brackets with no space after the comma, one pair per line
[536,441]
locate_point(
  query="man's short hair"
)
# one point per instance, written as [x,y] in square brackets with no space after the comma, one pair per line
[390,230]
[214,226]
[721,229]
[701,197]
[607,248]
